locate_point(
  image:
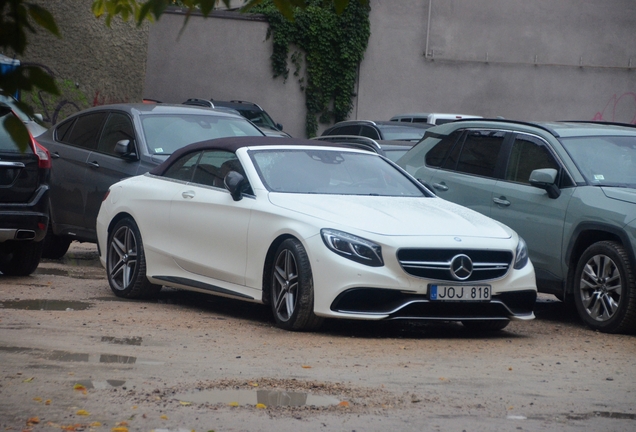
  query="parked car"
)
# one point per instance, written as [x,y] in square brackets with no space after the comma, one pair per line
[33,124]
[379,130]
[430,118]
[99,146]
[391,149]
[569,189]
[249,110]
[24,200]
[314,231]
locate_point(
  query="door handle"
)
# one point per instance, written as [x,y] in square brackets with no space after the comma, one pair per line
[93,164]
[188,194]
[55,155]
[502,201]
[440,186]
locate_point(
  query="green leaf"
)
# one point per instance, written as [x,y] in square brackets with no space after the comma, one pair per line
[18,131]
[43,18]
[41,79]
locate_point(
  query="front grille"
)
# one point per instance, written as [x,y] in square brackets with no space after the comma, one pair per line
[435,264]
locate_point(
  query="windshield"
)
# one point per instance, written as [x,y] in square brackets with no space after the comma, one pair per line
[331,172]
[167,133]
[259,118]
[402,133]
[604,160]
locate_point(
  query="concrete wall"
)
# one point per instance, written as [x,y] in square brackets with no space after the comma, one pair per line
[223,57]
[531,60]
[93,64]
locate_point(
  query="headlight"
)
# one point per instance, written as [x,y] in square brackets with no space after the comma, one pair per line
[353,247]
[521,255]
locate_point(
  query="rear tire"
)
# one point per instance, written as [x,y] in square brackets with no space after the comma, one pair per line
[485,326]
[126,262]
[292,289]
[54,246]
[20,258]
[605,288]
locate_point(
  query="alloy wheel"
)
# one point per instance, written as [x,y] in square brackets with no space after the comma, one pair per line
[285,285]
[122,257]
[600,287]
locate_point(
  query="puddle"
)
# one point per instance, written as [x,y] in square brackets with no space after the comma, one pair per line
[112,358]
[269,398]
[67,356]
[100,385]
[122,341]
[75,273]
[49,305]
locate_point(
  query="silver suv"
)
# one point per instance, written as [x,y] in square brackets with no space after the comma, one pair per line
[567,188]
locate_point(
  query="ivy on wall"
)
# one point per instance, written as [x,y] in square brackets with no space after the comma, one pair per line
[333,46]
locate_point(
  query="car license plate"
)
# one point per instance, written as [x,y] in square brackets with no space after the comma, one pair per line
[459,292]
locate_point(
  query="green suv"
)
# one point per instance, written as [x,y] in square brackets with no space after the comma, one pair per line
[567,188]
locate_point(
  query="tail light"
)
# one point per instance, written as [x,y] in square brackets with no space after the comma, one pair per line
[106,195]
[44,157]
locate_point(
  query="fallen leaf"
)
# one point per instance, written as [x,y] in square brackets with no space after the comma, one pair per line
[80,387]
[83,412]
[37,399]
[134,407]
[233,404]
[306,367]
[164,417]
[33,421]
[47,402]
[442,379]
[509,368]
[185,403]
[28,380]
[119,429]
[253,384]
[261,406]
[344,404]
[95,424]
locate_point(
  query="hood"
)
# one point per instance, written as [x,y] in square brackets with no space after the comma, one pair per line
[393,215]
[622,194]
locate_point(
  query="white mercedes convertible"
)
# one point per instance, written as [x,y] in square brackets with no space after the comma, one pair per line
[314,230]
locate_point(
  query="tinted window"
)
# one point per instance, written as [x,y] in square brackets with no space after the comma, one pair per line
[436,156]
[118,127]
[369,132]
[86,130]
[63,130]
[345,130]
[480,152]
[528,154]
[183,168]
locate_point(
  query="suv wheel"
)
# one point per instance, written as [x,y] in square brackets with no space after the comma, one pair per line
[20,258]
[604,288]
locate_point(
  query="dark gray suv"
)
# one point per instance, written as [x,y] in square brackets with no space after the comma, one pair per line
[99,146]
[567,188]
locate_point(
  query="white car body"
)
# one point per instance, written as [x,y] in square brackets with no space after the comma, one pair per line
[199,238]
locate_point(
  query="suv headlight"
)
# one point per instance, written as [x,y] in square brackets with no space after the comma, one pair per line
[353,247]
[521,255]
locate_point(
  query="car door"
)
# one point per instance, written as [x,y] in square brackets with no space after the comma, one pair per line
[208,228]
[70,147]
[105,167]
[529,210]
[469,173]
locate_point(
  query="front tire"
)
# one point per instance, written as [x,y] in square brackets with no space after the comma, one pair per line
[605,288]
[126,262]
[292,290]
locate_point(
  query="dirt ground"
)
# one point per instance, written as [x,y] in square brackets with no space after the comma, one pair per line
[75,357]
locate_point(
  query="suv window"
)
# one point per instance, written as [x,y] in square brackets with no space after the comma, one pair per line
[435,157]
[86,130]
[345,130]
[480,152]
[118,127]
[369,132]
[528,154]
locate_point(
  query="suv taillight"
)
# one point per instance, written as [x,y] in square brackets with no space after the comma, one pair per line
[44,157]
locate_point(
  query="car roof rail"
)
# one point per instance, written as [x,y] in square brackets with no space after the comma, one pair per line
[199,102]
[629,125]
[356,141]
[246,103]
[345,122]
[508,121]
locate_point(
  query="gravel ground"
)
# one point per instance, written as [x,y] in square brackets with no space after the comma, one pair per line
[186,361]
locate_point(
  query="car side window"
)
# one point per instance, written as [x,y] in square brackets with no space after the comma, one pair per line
[528,154]
[480,152]
[183,168]
[214,166]
[436,156]
[62,131]
[86,130]
[118,127]
[369,132]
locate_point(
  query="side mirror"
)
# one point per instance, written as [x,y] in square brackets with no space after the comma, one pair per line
[279,126]
[125,149]
[235,182]
[39,117]
[545,179]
